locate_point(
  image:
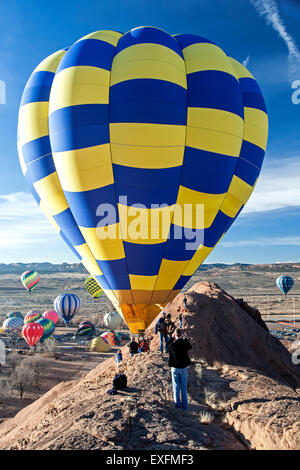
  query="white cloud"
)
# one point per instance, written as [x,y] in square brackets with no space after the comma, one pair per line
[246,61]
[21,221]
[278,186]
[275,241]
[270,70]
[268,9]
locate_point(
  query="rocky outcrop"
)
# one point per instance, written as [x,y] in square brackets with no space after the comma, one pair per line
[243,392]
[266,413]
[222,331]
[143,416]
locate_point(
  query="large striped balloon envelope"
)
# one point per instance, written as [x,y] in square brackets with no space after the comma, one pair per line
[142,149]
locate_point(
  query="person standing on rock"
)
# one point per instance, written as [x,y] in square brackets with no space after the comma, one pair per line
[180,320]
[161,328]
[179,361]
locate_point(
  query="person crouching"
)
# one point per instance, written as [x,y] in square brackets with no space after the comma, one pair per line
[133,346]
[119,357]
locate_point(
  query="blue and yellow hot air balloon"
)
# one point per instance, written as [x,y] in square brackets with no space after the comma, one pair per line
[93,287]
[142,149]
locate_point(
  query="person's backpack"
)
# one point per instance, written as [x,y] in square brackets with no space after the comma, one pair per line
[119,382]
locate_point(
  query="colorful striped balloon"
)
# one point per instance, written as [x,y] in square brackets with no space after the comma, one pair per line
[32,316]
[169,123]
[30,280]
[93,287]
[67,305]
[48,326]
[86,328]
[111,338]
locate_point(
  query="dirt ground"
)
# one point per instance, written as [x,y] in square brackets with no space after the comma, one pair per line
[68,364]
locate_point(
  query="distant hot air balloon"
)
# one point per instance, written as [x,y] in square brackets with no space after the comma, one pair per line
[142,149]
[124,337]
[32,316]
[67,305]
[111,338]
[284,283]
[32,333]
[48,326]
[15,314]
[93,287]
[13,326]
[86,328]
[112,320]
[99,345]
[51,315]
[30,280]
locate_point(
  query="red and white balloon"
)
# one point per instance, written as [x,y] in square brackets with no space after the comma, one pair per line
[32,333]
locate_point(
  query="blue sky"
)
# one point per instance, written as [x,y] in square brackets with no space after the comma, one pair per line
[265,33]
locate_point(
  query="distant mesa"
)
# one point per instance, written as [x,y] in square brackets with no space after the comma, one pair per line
[47,268]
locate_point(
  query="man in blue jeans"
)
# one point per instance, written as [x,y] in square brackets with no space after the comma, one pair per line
[179,361]
[161,328]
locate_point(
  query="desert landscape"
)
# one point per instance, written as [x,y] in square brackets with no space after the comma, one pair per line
[232,358]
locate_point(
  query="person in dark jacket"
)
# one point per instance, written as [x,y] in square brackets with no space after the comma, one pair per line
[133,346]
[179,361]
[161,328]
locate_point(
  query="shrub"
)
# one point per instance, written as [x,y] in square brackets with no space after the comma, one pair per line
[5,392]
[22,379]
[13,359]
[37,365]
[205,417]
[47,347]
